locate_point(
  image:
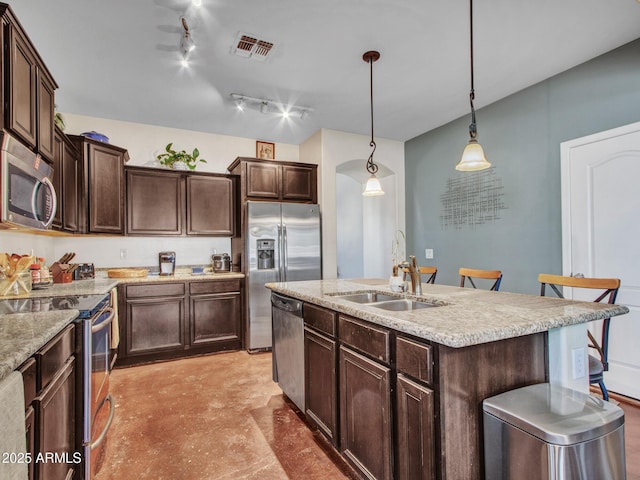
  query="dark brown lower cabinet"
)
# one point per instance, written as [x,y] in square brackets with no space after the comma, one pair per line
[155,316]
[214,320]
[366,414]
[408,408]
[55,408]
[415,456]
[165,320]
[321,398]
[49,379]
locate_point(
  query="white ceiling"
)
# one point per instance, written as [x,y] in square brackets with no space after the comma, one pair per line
[120,59]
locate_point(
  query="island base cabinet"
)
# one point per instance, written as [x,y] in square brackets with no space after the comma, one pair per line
[415,456]
[365,415]
[321,398]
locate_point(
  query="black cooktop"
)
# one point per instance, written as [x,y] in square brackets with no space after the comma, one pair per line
[88,305]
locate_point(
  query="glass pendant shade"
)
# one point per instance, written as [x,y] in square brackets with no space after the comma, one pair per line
[373,187]
[473,158]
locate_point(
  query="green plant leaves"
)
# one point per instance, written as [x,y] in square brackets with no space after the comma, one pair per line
[172,156]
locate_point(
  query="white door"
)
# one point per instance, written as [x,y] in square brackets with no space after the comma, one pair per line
[601,232]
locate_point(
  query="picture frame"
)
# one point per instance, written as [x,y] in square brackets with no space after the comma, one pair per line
[265,150]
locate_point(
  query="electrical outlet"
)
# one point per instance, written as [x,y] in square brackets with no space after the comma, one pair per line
[123,253]
[428,253]
[579,363]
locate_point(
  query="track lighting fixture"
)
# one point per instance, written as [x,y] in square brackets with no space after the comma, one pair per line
[263,105]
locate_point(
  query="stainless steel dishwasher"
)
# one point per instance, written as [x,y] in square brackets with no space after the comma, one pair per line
[288,347]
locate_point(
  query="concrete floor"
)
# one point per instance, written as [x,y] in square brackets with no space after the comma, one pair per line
[221,417]
[212,417]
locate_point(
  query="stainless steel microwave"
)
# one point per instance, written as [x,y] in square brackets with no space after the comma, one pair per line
[28,197]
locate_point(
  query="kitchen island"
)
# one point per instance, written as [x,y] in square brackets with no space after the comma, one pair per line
[399,393]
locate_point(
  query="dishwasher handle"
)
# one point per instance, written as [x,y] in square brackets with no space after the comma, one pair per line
[287,304]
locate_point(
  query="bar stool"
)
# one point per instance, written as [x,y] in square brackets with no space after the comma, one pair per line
[609,287]
[431,271]
[471,273]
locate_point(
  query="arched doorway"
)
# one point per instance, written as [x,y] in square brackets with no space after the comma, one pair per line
[365,226]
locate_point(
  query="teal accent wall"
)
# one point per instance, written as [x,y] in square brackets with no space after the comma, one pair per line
[521,136]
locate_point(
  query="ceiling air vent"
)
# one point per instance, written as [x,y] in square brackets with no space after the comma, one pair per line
[248,46]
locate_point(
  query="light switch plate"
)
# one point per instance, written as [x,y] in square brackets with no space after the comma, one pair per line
[428,253]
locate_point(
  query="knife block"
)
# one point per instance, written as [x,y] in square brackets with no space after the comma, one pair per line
[60,273]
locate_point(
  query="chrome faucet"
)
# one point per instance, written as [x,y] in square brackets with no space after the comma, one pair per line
[414,274]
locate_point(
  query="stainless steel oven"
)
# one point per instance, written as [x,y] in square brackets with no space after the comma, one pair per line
[98,403]
[95,319]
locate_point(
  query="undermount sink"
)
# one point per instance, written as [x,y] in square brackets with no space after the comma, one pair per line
[403,305]
[367,297]
[384,301]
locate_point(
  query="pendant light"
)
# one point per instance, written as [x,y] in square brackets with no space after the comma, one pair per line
[373,186]
[473,156]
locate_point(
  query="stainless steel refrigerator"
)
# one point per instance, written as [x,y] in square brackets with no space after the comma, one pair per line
[282,244]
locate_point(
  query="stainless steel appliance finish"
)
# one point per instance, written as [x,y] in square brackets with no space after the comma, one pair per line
[221,263]
[167,261]
[99,407]
[288,347]
[550,432]
[96,316]
[282,245]
[28,196]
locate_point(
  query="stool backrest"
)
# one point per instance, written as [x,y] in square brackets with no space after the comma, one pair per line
[431,271]
[471,273]
[607,290]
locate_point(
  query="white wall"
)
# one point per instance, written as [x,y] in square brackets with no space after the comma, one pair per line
[143,142]
[349,229]
[335,148]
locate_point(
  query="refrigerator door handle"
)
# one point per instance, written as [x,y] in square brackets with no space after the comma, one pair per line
[279,252]
[285,249]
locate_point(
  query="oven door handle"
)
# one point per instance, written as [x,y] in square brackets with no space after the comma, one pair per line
[106,323]
[103,434]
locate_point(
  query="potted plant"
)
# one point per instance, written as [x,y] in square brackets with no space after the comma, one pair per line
[180,160]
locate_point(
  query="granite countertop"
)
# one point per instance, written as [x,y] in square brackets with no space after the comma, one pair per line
[22,334]
[181,277]
[466,316]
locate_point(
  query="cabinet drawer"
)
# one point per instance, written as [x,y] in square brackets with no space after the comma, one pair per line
[54,355]
[28,371]
[414,359]
[158,289]
[218,286]
[366,338]
[320,318]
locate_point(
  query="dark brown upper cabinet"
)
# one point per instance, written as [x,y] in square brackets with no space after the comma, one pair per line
[276,181]
[65,181]
[171,203]
[28,90]
[101,197]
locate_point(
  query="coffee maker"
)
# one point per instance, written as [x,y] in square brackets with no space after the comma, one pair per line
[167,262]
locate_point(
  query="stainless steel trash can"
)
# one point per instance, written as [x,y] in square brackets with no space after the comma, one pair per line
[550,432]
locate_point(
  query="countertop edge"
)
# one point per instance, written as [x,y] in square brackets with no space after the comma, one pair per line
[418,324]
[23,334]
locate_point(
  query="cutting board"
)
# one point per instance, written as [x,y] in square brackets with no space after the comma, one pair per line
[127,272]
